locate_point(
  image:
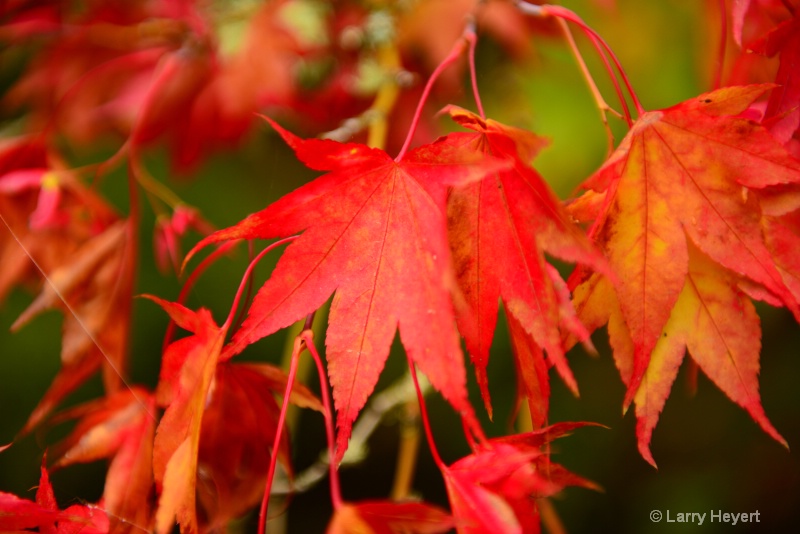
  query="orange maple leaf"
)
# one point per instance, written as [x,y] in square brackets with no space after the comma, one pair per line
[680,181]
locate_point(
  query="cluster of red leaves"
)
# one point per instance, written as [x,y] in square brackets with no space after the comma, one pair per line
[162,72]
[375,232]
[693,215]
[150,71]
[82,244]
[208,450]
[496,488]
[184,73]
[207,456]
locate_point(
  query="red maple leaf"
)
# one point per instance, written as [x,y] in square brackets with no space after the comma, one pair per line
[495,489]
[374,232]
[212,446]
[499,230]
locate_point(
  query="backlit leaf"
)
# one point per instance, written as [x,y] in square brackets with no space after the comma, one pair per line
[682,178]
[373,232]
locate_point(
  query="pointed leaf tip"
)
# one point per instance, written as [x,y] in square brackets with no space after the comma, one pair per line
[327,154]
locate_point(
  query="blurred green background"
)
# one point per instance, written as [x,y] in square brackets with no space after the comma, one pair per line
[711,455]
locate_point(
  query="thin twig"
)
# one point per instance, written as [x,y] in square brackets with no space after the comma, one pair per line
[375,118]
[407,452]
[471,36]
[603,50]
[380,405]
[455,53]
[262,515]
[426,422]
[336,492]
[723,42]
[600,102]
